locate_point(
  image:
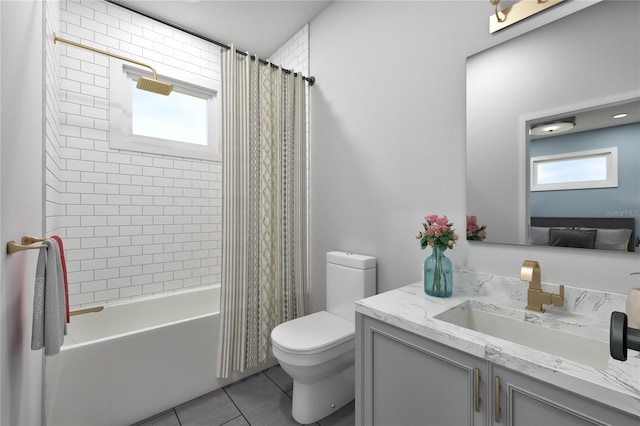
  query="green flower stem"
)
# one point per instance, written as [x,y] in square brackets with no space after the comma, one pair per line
[438,274]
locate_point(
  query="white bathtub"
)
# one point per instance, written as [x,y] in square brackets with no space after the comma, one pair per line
[136,359]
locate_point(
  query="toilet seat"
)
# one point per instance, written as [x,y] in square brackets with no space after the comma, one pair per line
[320,336]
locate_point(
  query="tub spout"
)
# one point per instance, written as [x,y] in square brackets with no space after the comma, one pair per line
[87,310]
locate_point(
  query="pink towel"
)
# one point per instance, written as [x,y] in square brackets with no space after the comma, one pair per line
[64,273]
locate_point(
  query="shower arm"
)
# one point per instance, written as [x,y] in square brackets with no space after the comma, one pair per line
[102,52]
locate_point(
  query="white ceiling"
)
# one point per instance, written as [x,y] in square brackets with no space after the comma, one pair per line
[256,26]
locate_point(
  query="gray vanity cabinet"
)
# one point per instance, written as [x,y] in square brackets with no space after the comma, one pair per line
[404,379]
[524,401]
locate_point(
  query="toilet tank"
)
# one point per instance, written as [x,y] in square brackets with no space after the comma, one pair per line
[350,277]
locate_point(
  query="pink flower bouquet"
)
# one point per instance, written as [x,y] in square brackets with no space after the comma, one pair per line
[438,232]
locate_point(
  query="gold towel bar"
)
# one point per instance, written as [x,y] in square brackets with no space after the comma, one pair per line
[87,310]
[30,240]
[27,244]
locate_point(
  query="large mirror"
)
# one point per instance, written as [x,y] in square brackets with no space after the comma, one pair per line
[568,73]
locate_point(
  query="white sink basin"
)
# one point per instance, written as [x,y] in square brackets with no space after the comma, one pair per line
[509,324]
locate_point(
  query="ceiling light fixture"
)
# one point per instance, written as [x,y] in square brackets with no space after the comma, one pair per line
[621,115]
[553,127]
[516,12]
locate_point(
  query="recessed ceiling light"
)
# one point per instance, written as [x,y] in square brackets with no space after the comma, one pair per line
[621,115]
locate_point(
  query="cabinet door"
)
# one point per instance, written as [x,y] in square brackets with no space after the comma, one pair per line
[403,380]
[526,401]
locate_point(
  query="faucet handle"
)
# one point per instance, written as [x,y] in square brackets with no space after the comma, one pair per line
[558,299]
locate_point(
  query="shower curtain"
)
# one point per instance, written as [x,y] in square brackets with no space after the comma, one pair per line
[264,239]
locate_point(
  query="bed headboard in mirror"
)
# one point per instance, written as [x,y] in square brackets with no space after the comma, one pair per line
[612,233]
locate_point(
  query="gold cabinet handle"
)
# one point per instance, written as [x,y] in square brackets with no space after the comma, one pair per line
[476,389]
[496,399]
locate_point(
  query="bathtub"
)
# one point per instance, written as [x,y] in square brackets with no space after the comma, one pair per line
[136,359]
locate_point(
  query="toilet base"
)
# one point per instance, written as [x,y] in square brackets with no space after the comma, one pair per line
[312,402]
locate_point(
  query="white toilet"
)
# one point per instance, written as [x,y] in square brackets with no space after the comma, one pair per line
[318,350]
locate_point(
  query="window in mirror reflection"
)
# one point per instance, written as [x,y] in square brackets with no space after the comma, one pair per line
[575,170]
[580,170]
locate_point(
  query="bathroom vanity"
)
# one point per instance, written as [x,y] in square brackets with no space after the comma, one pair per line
[424,360]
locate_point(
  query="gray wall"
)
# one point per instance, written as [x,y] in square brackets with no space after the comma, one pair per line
[388,141]
[21,199]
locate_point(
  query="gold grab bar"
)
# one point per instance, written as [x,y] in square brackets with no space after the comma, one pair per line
[27,244]
[87,310]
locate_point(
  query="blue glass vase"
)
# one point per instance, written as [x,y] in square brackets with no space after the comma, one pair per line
[438,274]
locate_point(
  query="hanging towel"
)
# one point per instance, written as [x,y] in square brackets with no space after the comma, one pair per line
[49,313]
[64,274]
[37,330]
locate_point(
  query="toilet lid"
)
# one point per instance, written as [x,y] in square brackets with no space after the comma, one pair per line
[313,333]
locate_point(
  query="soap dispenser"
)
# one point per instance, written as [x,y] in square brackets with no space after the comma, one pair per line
[633,307]
[624,329]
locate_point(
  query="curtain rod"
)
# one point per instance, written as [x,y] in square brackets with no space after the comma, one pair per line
[311,80]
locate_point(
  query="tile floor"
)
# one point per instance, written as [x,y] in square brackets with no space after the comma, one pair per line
[263,399]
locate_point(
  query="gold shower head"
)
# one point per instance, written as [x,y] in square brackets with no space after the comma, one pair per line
[150,84]
[153,85]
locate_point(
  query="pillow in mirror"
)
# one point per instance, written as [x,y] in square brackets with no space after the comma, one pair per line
[611,239]
[577,238]
[539,235]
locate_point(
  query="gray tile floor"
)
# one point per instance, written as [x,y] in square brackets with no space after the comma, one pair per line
[263,399]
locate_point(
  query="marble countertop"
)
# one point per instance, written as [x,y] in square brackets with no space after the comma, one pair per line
[586,312]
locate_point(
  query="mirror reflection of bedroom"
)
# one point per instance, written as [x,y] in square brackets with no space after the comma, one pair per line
[540,104]
[584,175]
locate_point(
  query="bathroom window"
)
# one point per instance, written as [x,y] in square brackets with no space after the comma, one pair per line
[575,170]
[183,124]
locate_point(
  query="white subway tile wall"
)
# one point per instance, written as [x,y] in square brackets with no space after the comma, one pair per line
[133,224]
[294,54]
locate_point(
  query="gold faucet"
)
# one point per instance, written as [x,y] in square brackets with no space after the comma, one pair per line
[530,272]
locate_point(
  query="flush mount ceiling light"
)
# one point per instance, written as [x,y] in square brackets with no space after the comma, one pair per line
[621,115]
[553,127]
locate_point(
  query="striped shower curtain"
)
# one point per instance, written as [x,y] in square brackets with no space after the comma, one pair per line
[264,210]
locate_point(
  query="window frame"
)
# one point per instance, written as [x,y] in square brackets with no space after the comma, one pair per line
[611,181]
[120,120]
